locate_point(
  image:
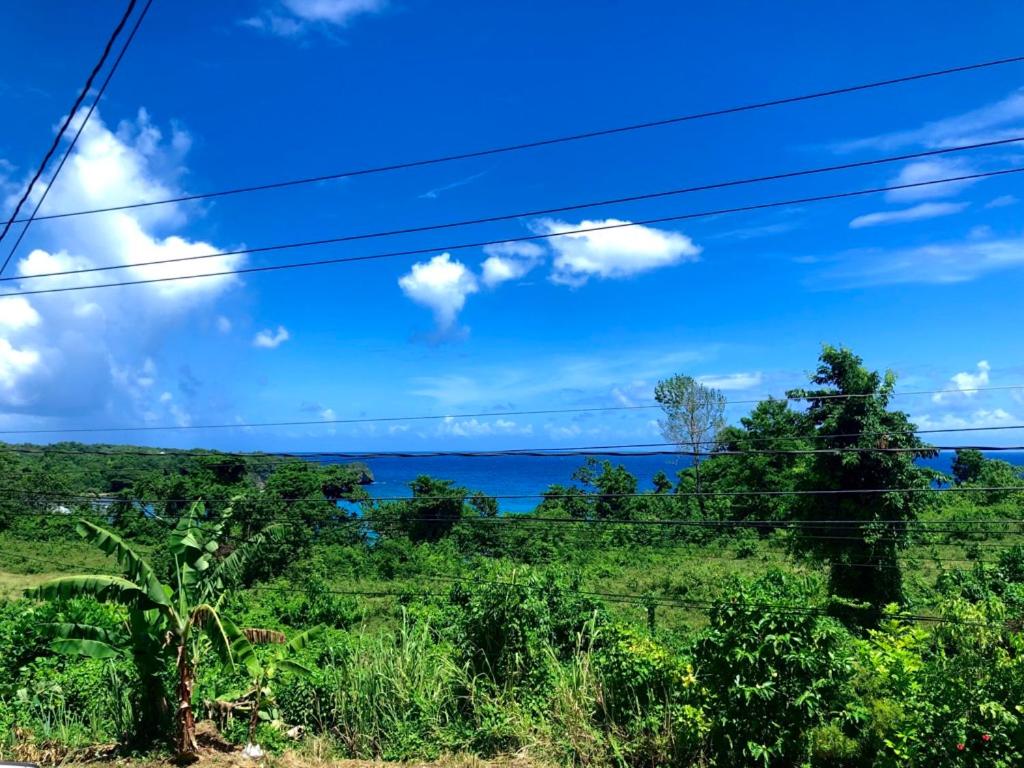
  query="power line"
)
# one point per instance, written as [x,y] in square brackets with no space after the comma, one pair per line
[579,495]
[624,450]
[622,597]
[480,414]
[81,126]
[543,142]
[541,211]
[482,243]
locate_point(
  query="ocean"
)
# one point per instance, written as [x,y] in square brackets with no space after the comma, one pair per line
[529,476]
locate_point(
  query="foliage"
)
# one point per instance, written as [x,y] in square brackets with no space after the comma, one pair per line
[874,450]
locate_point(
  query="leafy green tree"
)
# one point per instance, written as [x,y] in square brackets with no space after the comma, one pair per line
[967,465]
[694,414]
[866,487]
[613,489]
[434,509]
[165,622]
[761,455]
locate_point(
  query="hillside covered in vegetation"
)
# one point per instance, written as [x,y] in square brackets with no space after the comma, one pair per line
[805,593]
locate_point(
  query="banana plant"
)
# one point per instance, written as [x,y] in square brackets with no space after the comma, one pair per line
[166,623]
[263,672]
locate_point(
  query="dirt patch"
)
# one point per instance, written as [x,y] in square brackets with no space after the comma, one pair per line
[216,752]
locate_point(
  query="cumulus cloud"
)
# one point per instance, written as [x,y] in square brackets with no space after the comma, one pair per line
[732,381]
[476,428]
[509,261]
[612,253]
[223,324]
[291,18]
[16,312]
[965,383]
[441,284]
[917,212]
[268,339]
[67,354]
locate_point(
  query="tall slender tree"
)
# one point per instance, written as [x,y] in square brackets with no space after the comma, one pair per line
[694,415]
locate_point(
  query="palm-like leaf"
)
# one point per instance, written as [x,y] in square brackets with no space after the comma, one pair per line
[94,649]
[302,640]
[83,632]
[207,618]
[242,651]
[290,665]
[230,570]
[106,589]
[135,566]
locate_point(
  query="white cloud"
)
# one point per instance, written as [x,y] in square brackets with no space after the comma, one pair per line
[442,284]
[291,18]
[732,381]
[16,312]
[966,383]
[14,364]
[559,432]
[915,213]
[475,428]
[1001,119]
[268,339]
[619,252]
[328,414]
[983,417]
[65,353]
[338,12]
[940,263]
[223,324]
[930,170]
[509,261]
[1002,201]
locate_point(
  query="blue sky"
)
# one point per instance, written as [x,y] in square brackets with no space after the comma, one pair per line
[216,95]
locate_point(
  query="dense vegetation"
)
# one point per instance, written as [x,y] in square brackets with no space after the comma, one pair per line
[699,623]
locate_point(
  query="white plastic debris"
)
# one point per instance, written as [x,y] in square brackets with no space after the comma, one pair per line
[253,750]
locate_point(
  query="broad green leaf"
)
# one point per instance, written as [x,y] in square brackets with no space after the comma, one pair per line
[94,649]
[107,589]
[135,566]
[205,617]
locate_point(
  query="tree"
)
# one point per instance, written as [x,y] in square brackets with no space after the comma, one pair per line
[866,489]
[967,465]
[166,623]
[762,454]
[694,414]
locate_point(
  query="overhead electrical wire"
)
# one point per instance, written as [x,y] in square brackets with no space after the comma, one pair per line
[536,212]
[642,600]
[628,450]
[543,142]
[67,121]
[482,243]
[81,125]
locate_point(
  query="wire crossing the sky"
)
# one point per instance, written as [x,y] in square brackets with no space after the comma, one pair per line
[548,211]
[81,125]
[67,121]
[550,141]
[463,246]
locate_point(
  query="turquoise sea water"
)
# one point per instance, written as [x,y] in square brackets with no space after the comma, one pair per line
[529,476]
